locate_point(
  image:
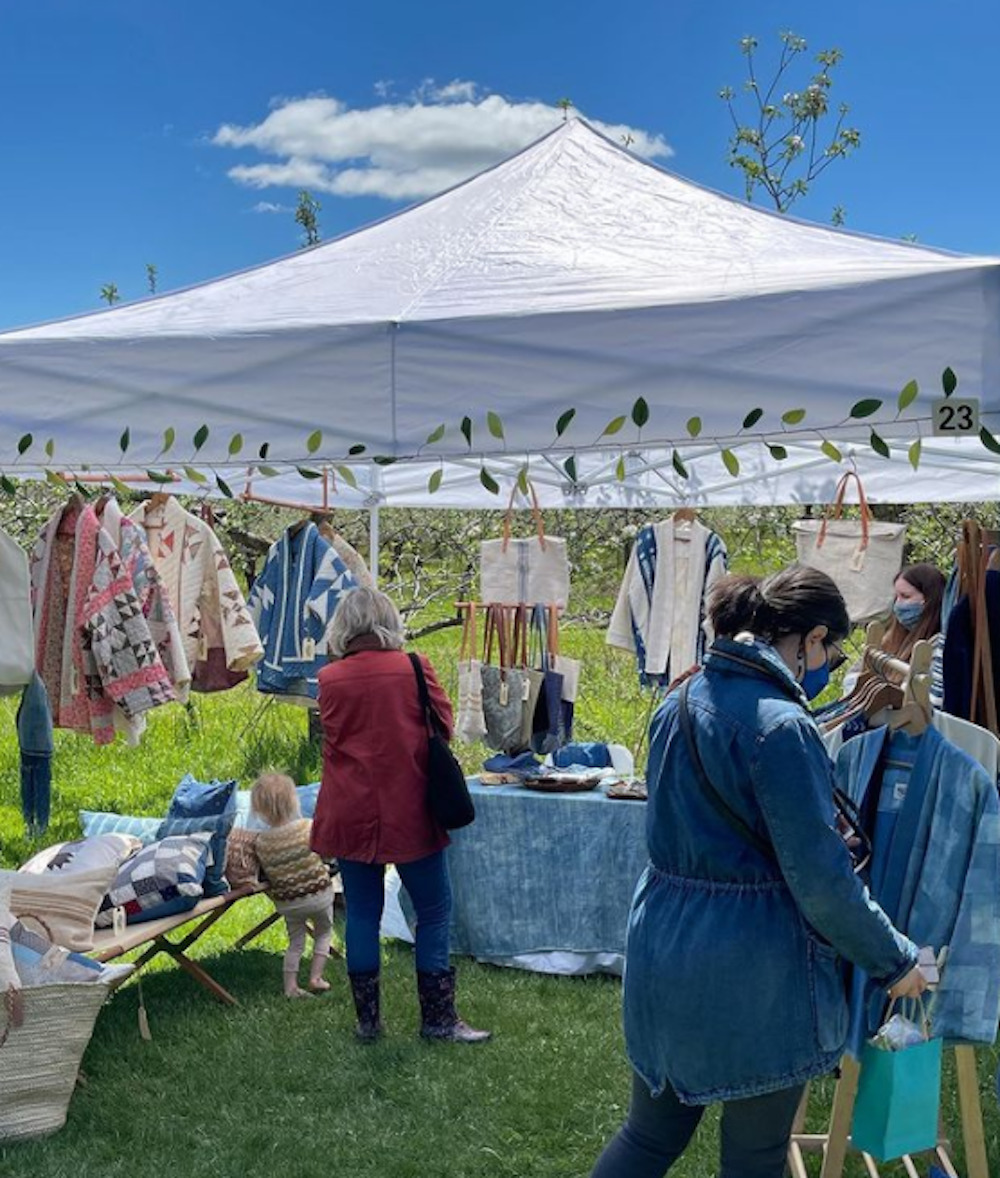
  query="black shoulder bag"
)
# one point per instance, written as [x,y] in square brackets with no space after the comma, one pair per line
[448,797]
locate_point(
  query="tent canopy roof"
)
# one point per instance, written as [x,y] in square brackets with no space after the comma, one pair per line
[572,275]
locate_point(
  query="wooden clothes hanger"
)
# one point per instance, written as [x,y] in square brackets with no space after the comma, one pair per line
[685,515]
[915,714]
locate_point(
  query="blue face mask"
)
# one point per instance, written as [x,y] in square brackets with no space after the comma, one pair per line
[813,681]
[908,613]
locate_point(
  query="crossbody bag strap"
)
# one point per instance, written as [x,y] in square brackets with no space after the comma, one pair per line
[430,716]
[719,803]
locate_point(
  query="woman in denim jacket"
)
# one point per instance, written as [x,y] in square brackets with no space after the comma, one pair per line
[733,987]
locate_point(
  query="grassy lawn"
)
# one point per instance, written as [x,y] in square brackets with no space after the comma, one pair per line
[274,1087]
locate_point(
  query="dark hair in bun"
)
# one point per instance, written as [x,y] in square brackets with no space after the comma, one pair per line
[792,601]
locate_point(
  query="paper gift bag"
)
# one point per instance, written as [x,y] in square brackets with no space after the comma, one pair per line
[530,570]
[899,1094]
[862,556]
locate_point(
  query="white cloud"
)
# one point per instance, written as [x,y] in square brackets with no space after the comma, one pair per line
[270,206]
[398,150]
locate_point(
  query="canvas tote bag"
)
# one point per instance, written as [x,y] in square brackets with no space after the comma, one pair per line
[862,556]
[470,724]
[533,677]
[503,687]
[568,668]
[531,570]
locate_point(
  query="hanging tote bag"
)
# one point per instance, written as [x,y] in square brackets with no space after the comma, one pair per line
[863,556]
[470,724]
[899,1094]
[448,797]
[568,668]
[534,679]
[503,687]
[547,733]
[530,570]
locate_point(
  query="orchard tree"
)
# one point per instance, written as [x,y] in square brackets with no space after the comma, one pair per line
[306,216]
[109,293]
[784,138]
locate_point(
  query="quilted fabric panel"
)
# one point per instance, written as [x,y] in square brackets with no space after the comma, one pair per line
[163,878]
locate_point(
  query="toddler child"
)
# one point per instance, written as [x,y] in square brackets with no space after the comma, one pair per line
[298,877]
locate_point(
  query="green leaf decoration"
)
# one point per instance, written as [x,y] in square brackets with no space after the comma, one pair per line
[494,425]
[432,437]
[613,426]
[562,425]
[357,449]
[262,452]
[314,441]
[907,395]
[24,443]
[50,447]
[8,485]
[914,454]
[620,468]
[569,466]
[878,444]
[694,426]
[731,462]
[81,490]
[123,441]
[169,436]
[159,476]
[224,487]
[269,472]
[752,418]
[793,416]
[434,482]
[778,453]
[640,412]
[55,479]
[679,466]
[200,438]
[466,428]
[120,488]
[989,441]
[235,445]
[488,481]
[195,475]
[383,460]
[347,475]
[831,451]
[866,407]
[307,472]
[949,382]
[522,481]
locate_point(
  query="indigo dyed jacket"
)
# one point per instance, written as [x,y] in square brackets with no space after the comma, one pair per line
[733,980]
[939,877]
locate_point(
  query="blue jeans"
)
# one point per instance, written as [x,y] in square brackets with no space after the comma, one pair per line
[755,1135]
[426,881]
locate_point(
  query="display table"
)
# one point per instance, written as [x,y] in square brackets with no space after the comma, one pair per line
[544,881]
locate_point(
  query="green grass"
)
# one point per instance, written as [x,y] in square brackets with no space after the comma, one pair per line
[274,1087]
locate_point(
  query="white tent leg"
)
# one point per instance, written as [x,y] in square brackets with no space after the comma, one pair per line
[373,543]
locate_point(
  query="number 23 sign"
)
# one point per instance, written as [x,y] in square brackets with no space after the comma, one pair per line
[956,417]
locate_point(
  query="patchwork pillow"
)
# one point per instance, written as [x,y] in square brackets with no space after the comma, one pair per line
[219,827]
[84,854]
[61,904]
[95,822]
[197,799]
[242,864]
[40,963]
[162,879]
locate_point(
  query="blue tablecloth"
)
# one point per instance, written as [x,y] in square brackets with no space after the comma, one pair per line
[540,872]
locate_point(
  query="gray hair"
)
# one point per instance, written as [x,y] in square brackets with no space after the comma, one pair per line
[364,611]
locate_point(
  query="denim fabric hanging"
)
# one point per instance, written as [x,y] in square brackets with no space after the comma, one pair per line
[34,735]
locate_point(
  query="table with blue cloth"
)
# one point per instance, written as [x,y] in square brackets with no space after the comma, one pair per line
[543,881]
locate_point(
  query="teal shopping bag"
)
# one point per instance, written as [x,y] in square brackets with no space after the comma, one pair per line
[899,1095]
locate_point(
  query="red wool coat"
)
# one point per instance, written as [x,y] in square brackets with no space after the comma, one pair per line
[372,803]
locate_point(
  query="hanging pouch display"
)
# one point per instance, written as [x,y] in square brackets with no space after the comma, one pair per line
[530,570]
[547,732]
[470,724]
[534,679]
[899,1090]
[862,556]
[568,668]
[503,687]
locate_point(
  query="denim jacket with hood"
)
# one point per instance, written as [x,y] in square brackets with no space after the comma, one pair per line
[733,981]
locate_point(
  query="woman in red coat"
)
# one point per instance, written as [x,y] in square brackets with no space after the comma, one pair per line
[372,806]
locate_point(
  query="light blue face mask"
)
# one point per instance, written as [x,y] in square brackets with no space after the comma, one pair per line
[813,681]
[908,613]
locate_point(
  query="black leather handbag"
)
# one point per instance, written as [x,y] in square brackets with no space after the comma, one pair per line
[448,797]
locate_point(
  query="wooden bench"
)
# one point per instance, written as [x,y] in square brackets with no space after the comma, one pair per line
[109,944]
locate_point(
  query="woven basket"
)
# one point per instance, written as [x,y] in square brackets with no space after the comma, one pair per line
[40,1058]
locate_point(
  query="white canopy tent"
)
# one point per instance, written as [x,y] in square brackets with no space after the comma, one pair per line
[571,276]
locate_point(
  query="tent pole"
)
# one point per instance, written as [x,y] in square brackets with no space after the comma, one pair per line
[373,543]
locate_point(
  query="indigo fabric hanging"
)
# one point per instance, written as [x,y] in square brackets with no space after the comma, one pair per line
[34,736]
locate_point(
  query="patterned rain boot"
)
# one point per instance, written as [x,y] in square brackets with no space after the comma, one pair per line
[364,987]
[439,1019]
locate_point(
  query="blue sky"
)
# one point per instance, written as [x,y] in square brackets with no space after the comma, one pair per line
[122,121]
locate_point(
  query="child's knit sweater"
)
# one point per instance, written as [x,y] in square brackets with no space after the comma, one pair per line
[292,869]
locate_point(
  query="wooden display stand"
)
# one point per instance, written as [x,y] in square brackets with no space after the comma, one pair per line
[835,1143]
